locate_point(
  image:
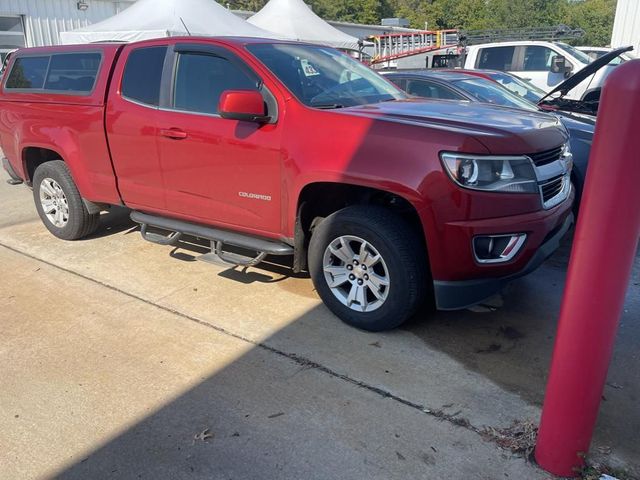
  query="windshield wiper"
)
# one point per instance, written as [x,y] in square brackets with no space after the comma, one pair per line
[327,106]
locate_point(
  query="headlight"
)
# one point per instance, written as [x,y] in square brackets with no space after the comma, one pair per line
[491,173]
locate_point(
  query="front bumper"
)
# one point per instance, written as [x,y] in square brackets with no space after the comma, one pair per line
[14,179]
[454,295]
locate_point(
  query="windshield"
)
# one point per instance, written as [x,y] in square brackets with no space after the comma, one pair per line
[322,77]
[595,54]
[487,91]
[518,86]
[581,56]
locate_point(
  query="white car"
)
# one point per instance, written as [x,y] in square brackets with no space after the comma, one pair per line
[544,64]
[597,52]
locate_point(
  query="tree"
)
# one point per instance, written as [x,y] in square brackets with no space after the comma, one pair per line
[595,17]
[524,13]
[473,14]
[247,5]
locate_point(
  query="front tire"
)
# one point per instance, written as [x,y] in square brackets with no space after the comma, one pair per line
[59,203]
[369,267]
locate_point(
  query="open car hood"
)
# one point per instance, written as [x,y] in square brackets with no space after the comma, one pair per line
[590,69]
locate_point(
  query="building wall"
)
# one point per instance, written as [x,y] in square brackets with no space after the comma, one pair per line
[44,19]
[626,27]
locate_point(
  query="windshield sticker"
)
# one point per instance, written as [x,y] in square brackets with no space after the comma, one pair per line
[308,69]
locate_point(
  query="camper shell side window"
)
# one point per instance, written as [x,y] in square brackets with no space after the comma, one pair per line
[69,73]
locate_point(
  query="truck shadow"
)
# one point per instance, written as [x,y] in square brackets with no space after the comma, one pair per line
[115,220]
[189,248]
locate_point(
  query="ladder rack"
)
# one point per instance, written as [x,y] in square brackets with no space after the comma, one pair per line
[392,46]
[555,33]
[398,45]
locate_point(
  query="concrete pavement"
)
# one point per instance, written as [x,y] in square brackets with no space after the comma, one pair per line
[164,345]
[100,385]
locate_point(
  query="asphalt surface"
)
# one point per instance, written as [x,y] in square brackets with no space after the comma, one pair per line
[123,359]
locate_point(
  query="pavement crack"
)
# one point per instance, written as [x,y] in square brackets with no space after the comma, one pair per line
[304,362]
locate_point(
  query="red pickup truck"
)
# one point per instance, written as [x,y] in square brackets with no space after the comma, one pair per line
[281,148]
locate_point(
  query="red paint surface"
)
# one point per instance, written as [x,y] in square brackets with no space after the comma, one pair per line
[242,101]
[604,247]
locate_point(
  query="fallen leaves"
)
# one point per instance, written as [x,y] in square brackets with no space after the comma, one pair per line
[204,436]
[519,437]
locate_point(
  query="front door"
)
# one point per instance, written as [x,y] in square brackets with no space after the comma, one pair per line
[535,67]
[215,170]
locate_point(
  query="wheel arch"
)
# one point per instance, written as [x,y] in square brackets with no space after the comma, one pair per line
[317,200]
[35,155]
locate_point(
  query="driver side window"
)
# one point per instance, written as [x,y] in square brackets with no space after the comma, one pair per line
[201,79]
[538,59]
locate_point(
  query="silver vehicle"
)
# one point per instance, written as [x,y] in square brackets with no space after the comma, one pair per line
[5,55]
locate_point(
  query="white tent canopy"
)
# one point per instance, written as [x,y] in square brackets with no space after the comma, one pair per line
[294,20]
[164,18]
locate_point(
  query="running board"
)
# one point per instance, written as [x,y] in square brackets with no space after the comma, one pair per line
[220,257]
[217,237]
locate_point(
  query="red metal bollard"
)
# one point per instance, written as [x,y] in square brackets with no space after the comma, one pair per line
[604,246]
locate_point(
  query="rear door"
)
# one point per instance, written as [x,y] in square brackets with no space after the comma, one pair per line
[217,170]
[496,58]
[131,122]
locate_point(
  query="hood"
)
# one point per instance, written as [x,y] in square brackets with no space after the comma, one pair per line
[579,120]
[501,130]
[590,69]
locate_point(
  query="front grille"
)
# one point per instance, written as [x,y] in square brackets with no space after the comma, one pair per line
[546,157]
[551,188]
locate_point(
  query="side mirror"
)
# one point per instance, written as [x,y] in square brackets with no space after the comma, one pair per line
[559,64]
[568,70]
[247,105]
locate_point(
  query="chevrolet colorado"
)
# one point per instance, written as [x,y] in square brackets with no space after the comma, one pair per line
[280,148]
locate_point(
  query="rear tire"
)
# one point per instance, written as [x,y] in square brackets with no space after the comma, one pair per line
[59,203]
[369,267]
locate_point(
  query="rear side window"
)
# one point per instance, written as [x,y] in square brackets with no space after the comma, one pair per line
[201,79]
[401,83]
[65,72]
[143,74]
[427,89]
[496,58]
[28,72]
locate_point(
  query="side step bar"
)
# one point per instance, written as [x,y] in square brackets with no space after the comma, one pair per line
[216,236]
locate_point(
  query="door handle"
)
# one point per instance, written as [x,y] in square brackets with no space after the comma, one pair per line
[174,133]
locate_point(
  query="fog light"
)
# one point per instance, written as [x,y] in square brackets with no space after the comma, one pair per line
[497,248]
